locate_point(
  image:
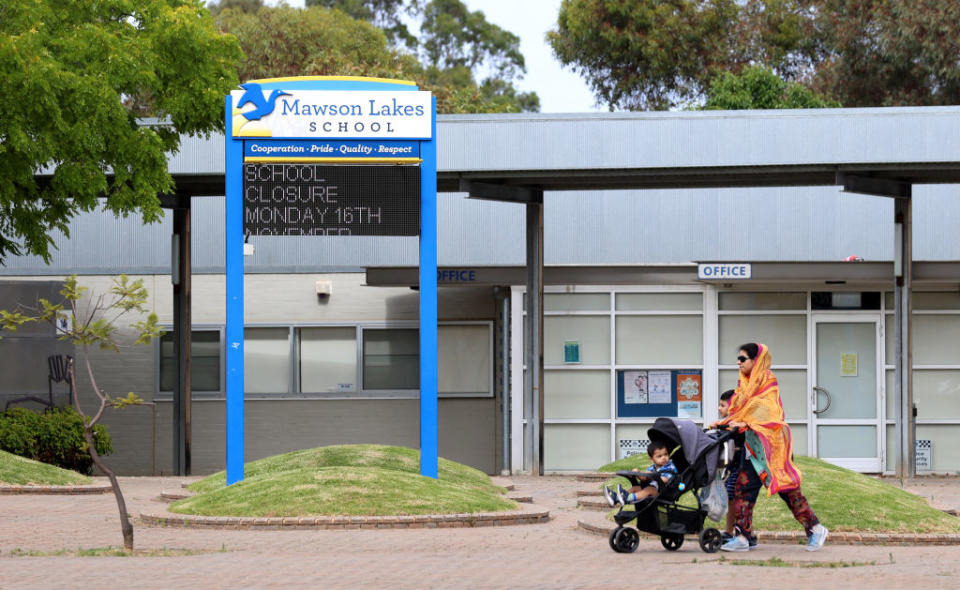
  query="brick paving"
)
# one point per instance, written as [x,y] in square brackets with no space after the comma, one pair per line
[554,555]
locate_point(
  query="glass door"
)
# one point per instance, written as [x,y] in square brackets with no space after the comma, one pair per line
[845,399]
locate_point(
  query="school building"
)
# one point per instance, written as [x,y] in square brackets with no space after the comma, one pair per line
[668,239]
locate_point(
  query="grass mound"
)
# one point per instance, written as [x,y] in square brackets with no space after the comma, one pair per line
[843,500]
[16,470]
[355,480]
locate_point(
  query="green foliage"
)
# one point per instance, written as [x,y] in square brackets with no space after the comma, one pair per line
[386,15]
[657,54]
[17,470]
[757,87]
[54,437]
[453,36]
[252,6]
[887,52]
[345,479]
[467,62]
[286,41]
[646,54]
[18,431]
[73,78]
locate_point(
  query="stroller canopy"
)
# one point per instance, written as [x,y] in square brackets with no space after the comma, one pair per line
[697,448]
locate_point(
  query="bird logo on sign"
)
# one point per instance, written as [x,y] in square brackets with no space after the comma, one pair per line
[262,106]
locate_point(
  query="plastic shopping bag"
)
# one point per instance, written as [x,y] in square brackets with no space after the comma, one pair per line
[713,498]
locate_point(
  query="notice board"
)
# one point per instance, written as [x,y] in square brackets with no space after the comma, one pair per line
[652,393]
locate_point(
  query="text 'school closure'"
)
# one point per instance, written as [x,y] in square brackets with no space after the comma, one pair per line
[318,200]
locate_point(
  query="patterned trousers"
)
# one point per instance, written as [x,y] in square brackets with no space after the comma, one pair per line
[745,493]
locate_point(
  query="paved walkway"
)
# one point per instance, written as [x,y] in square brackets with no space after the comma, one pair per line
[554,555]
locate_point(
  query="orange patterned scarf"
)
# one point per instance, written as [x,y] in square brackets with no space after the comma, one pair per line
[757,403]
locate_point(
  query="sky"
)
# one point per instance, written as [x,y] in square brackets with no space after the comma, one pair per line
[559,89]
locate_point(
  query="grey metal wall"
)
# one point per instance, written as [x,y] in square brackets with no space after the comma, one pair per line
[623,227]
[609,227]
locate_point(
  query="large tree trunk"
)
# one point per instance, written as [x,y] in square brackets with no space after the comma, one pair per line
[125,525]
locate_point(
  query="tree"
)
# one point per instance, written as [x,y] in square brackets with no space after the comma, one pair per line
[284,41]
[251,6]
[386,15]
[468,62]
[756,87]
[888,52]
[453,37]
[657,54]
[94,324]
[72,77]
[645,54]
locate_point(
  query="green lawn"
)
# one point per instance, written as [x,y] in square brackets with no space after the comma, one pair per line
[16,470]
[844,500]
[345,480]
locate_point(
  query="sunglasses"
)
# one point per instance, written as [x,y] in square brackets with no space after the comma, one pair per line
[742,359]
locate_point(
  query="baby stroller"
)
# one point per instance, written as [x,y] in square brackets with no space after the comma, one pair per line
[697,456]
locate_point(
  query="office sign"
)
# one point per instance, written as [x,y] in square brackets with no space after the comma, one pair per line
[726,271]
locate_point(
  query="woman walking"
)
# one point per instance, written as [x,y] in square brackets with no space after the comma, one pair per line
[768,452]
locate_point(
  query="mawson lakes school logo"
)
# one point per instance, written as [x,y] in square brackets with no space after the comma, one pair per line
[331,114]
[263,106]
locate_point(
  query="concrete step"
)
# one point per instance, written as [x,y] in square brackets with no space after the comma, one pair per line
[172,495]
[596,476]
[597,503]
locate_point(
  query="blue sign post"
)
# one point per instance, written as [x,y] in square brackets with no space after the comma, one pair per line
[287,139]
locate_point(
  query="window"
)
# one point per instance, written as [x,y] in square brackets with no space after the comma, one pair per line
[328,360]
[266,360]
[391,359]
[205,361]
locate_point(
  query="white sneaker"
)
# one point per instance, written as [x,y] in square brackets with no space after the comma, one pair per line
[818,536]
[608,494]
[738,543]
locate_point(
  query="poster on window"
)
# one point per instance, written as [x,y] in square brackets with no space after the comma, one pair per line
[848,364]
[659,387]
[635,387]
[689,395]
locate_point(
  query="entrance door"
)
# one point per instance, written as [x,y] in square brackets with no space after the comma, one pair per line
[845,400]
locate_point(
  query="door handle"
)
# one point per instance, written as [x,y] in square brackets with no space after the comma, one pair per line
[818,389]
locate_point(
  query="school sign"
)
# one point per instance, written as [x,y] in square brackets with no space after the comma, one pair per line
[330,156]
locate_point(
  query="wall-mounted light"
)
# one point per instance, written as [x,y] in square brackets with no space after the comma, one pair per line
[324,288]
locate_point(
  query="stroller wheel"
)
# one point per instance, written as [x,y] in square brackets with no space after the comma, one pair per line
[710,540]
[624,540]
[671,542]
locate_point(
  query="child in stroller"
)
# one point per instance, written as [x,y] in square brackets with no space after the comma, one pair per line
[662,465]
[697,456]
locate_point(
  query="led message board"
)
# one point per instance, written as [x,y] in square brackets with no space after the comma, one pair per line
[289,199]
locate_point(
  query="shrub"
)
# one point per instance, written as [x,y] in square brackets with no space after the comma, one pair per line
[54,437]
[18,432]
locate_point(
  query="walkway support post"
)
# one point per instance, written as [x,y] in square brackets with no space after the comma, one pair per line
[903,273]
[532,199]
[183,323]
[533,329]
[902,193]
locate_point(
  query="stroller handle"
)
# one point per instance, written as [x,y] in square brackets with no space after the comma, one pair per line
[636,477]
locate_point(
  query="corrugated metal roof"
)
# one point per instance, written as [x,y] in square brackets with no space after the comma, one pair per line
[812,223]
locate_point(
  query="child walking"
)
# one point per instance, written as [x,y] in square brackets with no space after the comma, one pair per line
[734,471]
